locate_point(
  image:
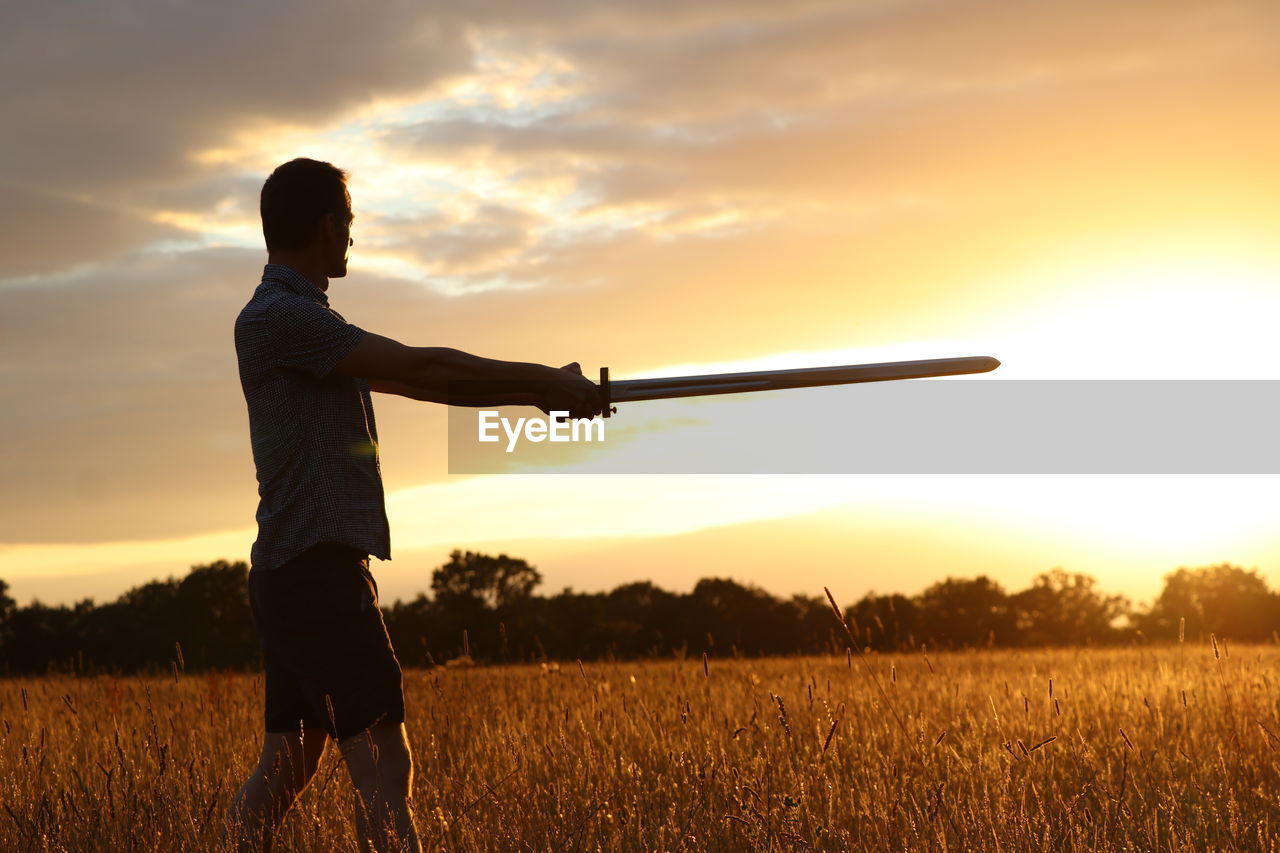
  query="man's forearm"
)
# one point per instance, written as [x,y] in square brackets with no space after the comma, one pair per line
[431,395]
[453,377]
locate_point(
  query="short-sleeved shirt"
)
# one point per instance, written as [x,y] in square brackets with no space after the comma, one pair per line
[314,438]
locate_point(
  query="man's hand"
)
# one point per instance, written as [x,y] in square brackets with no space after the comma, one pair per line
[571,392]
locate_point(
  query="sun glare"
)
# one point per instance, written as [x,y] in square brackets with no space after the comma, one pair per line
[1186,315]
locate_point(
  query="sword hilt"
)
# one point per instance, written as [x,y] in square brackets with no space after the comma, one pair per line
[605,401]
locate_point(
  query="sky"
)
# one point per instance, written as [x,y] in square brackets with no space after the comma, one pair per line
[1083,190]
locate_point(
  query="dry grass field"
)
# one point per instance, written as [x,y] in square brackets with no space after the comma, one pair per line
[1111,749]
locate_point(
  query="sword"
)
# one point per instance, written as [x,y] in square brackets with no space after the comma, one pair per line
[630,390]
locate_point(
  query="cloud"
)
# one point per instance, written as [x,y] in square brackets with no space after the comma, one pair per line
[116,99]
[119,400]
[484,241]
[742,121]
[656,110]
[146,84]
[41,231]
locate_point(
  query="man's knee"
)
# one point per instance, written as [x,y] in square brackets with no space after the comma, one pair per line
[291,759]
[379,759]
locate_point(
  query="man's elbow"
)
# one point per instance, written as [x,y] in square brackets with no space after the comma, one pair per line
[402,389]
[431,370]
[379,357]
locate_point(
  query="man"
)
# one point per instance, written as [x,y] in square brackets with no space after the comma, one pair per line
[307,374]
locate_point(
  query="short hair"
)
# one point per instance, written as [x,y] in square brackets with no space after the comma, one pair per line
[296,197]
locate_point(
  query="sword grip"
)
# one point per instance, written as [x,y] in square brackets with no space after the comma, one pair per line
[605,400]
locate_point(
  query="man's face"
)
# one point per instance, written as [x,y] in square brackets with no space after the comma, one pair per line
[339,242]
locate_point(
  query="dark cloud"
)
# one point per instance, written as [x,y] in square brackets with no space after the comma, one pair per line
[120,92]
[109,101]
[41,231]
[849,55]
[231,195]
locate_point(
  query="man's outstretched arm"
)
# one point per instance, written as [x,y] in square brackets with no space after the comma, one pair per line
[403,389]
[450,376]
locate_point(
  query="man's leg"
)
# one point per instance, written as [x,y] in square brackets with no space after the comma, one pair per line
[382,770]
[287,764]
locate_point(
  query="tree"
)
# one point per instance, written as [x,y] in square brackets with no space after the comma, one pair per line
[136,630]
[214,624]
[1224,600]
[491,582]
[484,596]
[7,607]
[961,612]
[1061,608]
[727,616]
[884,621]
[412,626]
[41,635]
[641,618]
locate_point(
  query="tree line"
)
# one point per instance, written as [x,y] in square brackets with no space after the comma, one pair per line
[484,608]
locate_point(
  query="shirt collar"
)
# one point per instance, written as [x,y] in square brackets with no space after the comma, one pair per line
[295,281]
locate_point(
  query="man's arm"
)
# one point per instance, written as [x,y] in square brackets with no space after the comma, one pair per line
[403,389]
[450,376]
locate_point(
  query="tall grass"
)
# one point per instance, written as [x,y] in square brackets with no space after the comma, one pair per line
[1108,749]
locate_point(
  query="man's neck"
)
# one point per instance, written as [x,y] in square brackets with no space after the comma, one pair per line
[304,265]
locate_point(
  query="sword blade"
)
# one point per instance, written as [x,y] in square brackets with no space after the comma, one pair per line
[631,390]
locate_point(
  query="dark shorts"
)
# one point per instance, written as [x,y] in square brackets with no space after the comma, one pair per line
[327,658]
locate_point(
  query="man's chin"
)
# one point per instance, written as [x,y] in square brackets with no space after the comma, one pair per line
[339,271]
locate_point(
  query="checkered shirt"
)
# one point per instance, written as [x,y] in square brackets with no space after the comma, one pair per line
[315,442]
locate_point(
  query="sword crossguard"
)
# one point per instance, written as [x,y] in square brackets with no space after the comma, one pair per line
[606,407]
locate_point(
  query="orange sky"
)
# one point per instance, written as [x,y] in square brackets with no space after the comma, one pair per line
[1082,190]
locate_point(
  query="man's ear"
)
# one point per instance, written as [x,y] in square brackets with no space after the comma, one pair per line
[330,229]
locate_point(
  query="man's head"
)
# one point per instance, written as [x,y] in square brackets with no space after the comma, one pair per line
[306,209]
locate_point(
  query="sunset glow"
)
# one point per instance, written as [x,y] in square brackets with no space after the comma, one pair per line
[1082,191]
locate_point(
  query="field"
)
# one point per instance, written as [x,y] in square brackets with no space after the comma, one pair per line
[1111,749]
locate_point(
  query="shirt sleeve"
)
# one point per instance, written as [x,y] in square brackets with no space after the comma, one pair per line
[307,336]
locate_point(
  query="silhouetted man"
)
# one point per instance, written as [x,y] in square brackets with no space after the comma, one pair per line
[307,375]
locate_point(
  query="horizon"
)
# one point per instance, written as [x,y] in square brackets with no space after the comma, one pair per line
[400,589]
